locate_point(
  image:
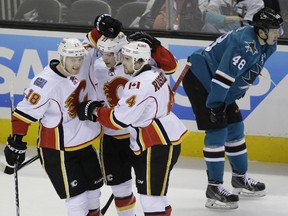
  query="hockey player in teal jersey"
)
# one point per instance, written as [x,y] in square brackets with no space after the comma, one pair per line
[219,75]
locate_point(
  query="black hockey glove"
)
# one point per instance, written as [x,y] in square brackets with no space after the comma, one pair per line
[85,110]
[218,114]
[15,150]
[144,37]
[108,26]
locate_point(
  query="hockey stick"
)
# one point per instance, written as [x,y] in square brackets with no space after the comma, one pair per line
[10,170]
[182,75]
[105,208]
[16,164]
[16,189]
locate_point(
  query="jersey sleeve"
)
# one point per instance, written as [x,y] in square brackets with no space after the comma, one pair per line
[234,62]
[32,107]
[21,122]
[223,78]
[165,60]
[129,109]
[91,38]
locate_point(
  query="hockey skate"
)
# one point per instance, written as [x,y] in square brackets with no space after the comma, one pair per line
[246,186]
[219,198]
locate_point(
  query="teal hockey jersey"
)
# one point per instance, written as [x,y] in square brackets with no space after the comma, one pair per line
[230,65]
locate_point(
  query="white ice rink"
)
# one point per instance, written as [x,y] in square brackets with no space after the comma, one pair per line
[186,192]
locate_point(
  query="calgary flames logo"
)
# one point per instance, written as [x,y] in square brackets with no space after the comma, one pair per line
[111,90]
[72,101]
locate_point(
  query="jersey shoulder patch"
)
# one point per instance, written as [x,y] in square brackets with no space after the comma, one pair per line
[134,85]
[40,82]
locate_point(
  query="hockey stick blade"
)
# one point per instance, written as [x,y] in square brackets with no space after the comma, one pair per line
[105,208]
[182,75]
[10,170]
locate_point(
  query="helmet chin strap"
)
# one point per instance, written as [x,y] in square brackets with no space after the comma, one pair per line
[62,70]
[266,34]
[137,71]
[61,67]
[265,40]
[117,56]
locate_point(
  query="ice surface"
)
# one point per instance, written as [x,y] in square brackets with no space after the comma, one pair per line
[186,192]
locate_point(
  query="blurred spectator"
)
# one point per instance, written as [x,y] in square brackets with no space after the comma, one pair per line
[273,4]
[36,11]
[223,16]
[161,18]
[283,5]
[185,15]
[191,16]
[203,4]
[149,15]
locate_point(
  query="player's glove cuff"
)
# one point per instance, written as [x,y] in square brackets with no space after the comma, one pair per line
[144,37]
[108,26]
[15,150]
[218,114]
[86,110]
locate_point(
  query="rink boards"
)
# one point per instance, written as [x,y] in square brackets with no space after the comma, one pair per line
[24,53]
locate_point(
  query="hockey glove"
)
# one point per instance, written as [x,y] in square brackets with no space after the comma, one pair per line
[86,109]
[218,114]
[15,150]
[108,26]
[144,37]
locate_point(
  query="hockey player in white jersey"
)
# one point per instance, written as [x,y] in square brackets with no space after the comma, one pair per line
[116,156]
[109,79]
[110,28]
[64,142]
[155,132]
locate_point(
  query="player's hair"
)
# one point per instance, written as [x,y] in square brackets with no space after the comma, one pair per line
[112,45]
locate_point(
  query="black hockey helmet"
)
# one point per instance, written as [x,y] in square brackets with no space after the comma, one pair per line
[267,19]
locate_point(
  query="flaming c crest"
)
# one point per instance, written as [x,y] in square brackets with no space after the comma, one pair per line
[111,90]
[73,101]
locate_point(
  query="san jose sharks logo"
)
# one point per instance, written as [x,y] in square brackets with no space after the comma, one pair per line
[251,47]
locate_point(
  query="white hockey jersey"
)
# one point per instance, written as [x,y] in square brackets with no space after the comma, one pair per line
[109,84]
[145,109]
[53,99]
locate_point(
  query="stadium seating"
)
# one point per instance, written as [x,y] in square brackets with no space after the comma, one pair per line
[47,11]
[84,12]
[129,13]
